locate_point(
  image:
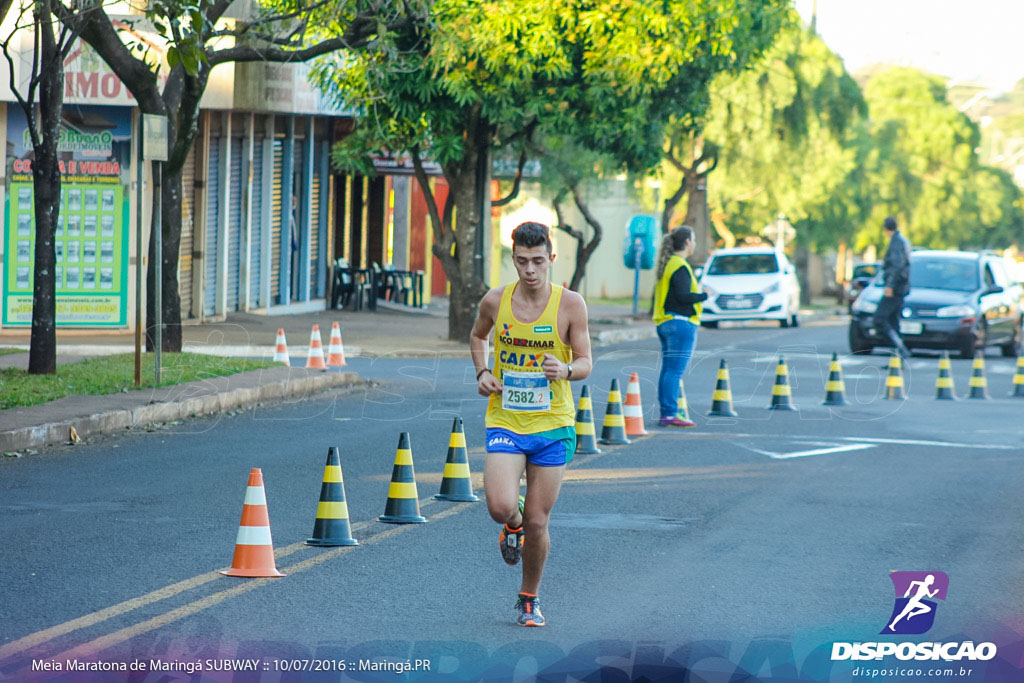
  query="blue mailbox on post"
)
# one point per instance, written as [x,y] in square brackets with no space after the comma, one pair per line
[647,230]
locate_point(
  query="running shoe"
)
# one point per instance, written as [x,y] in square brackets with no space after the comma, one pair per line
[676,421]
[528,611]
[510,540]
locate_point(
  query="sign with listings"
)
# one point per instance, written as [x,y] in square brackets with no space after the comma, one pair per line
[91,239]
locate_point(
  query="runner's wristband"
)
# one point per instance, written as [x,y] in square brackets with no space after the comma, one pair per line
[482,372]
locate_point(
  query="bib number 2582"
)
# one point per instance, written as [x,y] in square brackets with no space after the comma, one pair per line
[525,391]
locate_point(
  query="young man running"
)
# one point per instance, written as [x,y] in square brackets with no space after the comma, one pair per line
[541,341]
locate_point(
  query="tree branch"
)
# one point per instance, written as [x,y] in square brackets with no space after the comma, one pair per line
[99,32]
[514,192]
[358,34]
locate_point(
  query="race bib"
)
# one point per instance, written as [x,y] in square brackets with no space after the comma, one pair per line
[525,391]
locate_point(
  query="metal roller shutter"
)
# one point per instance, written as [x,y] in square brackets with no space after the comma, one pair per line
[275,222]
[256,221]
[234,246]
[212,227]
[314,229]
[188,196]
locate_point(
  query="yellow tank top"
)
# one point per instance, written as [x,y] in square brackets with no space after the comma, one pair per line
[520,347]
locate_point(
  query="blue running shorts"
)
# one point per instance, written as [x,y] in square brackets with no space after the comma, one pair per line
[553,448]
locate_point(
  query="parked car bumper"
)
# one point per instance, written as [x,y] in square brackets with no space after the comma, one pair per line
[763,307]
[935,333]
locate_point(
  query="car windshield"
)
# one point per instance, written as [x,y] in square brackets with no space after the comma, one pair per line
[865,271]
[929,272]
[743,264]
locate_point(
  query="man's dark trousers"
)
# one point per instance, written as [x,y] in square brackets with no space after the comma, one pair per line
[887,322]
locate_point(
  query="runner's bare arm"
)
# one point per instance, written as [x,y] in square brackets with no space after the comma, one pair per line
[575,309]
[479,338]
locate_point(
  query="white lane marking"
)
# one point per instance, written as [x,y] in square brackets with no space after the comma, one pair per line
[938,444]
[831,448]
[872,439]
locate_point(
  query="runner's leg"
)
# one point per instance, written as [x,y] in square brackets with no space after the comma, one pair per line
[542,487]
[502,472]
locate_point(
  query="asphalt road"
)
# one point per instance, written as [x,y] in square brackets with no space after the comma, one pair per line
[747,546]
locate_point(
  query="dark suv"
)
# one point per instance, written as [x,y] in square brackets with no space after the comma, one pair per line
[959,300]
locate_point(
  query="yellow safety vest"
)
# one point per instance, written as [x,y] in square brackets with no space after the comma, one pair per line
[661,291]
[521,347]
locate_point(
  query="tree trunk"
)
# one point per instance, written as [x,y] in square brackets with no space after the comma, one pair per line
[697,214]
[181,97]
[467,284]
[42,358]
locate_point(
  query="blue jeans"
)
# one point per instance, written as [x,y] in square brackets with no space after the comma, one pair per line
[678,339]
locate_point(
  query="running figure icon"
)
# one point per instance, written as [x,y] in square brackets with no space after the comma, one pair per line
[914,606]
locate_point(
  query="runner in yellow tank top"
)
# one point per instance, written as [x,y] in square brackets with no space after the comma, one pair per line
[541,342]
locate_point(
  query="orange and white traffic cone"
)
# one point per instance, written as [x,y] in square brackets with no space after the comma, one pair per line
[335,351]
[281,348]
[254,549]
[315,358]
[633,409]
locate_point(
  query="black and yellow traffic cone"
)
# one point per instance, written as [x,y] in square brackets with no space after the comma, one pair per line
[782,394]
[403,506]
[332,526]
[1018,379]
[682,409]
[894,389]
[835,388]
[586,441]
[721,400]
[979,385]
[613,430]
[456,484]
[944,389]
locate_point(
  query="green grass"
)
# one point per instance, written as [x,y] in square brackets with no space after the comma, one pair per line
[7,351]
[112,374]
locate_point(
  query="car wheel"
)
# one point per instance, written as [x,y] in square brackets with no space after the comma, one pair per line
[710,324]
[1011,349]
[858,344]
[784,322]
[976,342]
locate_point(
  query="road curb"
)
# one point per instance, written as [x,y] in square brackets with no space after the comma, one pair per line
[218,394]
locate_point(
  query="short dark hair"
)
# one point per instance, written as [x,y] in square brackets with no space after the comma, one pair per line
[889,223]
[530,234]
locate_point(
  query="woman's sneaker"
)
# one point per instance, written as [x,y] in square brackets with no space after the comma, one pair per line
[510,541]
[528,611]
[676,421]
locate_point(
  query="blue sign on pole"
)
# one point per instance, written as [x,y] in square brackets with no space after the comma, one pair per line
[643,234]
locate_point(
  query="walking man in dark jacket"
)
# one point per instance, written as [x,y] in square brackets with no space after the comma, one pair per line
[896,269]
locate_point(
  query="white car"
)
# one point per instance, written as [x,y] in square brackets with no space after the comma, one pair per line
[750,283]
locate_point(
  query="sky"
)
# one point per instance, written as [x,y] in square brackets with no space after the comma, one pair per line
[979,40]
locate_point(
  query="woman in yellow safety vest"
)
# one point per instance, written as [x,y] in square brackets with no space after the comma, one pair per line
[677,307]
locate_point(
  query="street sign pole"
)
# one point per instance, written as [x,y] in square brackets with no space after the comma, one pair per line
[154,141]
[158,310]
[138,261]
[638,247]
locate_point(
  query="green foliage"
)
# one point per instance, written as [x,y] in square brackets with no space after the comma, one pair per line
[606,72]
[786,129]
[926,170]
[113,374]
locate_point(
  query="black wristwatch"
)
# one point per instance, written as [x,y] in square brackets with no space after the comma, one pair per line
[568,371]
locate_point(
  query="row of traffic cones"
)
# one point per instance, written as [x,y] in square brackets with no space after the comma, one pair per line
[254,549]
[315,359]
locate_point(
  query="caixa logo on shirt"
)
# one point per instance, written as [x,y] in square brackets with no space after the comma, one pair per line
[913,614]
